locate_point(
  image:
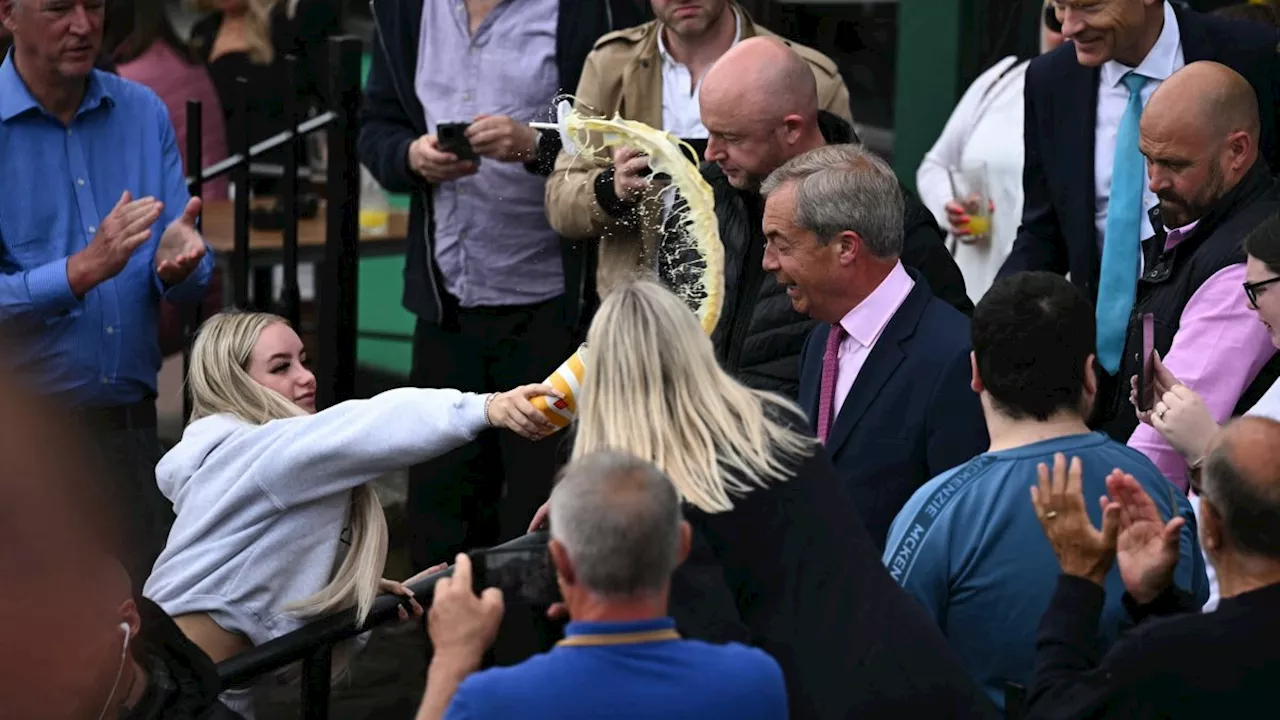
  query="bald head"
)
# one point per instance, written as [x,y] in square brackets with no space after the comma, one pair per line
[763,76]
[1242,482]
[1209,95]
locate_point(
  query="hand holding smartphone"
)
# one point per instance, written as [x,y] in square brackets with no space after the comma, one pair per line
[523,573]
[1147,371]
[452,138]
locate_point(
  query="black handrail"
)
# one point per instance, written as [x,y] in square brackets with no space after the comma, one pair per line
[290,298]
[190,315]
[327,631]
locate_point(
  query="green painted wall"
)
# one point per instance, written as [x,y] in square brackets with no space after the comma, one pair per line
[380,283]
[928,80]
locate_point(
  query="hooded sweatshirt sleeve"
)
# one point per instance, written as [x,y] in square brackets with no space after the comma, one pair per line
[297,460]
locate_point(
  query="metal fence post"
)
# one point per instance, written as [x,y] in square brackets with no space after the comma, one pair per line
[337,311]
[316,671]
[240,253]
[290,298]
[189,317]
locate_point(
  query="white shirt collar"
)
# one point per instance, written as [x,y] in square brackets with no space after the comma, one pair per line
[737,37]
[1160,63]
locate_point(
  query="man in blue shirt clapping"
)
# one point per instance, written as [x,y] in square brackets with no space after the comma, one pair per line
[968,546]
[96,227]
[617,535]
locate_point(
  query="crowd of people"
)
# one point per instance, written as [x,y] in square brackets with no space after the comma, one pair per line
[917,469]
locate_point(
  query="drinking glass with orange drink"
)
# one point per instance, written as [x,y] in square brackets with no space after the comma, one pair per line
[969,188]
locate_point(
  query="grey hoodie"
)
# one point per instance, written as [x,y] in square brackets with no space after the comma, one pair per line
[261,508]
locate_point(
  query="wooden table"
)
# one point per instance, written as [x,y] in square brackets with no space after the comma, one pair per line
[219,222]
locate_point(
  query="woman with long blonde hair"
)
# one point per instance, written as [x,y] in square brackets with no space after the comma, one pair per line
[268,491]
[761,492]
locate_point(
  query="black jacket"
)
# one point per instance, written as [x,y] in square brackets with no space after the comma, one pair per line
[392,118]
[809,586]
[759,336]
[1171,278]
[182,682]
[1058,231]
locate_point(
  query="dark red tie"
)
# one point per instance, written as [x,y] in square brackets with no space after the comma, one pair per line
[830,366]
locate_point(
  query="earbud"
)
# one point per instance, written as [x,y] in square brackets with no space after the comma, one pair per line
[124,628]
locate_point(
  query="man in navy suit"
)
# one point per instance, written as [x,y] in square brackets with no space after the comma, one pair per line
[885,374]
[1086,195]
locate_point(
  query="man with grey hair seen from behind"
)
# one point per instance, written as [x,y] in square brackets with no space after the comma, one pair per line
[884,377]
[616,537]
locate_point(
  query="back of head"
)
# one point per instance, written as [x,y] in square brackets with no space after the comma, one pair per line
[1033,334]
[842,188]
[1242,482]
[62,588]
[218,376]
[1263,243]
[764,77]
[618,518]
[656,390]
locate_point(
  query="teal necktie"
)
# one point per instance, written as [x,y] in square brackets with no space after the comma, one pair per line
[1121,244]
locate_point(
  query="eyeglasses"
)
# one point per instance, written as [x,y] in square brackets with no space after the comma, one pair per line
[1051,19]
[1251,289]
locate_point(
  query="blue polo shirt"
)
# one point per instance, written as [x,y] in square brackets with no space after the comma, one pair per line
[663,679]
[59,182]
[968,547]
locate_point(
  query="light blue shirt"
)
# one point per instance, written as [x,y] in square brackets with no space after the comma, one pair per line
[968,547]
[493,243]
[60,182]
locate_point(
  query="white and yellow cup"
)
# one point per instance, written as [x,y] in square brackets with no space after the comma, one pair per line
[568,380]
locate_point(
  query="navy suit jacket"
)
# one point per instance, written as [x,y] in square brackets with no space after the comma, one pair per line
[911,412]
[1058,232]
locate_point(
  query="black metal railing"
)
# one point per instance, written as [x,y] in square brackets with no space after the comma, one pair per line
[337,270]
[312,644]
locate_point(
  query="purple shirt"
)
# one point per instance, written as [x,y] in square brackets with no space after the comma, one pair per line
[493,243]
[1219,348]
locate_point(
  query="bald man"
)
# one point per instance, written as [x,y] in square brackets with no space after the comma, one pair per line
[1199,134]
[759,105]
[651,73]
[1212,665]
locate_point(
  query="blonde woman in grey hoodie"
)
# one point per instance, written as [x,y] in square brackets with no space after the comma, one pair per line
[265,487]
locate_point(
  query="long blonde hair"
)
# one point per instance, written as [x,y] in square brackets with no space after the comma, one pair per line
[257,26]
[653,388]
[219,383]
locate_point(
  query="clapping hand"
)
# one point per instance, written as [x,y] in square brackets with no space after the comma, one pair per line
[181,248]
[514,411]
[1147,548]
[1082,550]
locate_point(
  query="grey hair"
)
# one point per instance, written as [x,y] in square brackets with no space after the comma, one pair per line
[618,518]
[845,188]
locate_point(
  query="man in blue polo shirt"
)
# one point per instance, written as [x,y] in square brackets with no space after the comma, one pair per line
[96,226]
[617,535]
[968,545]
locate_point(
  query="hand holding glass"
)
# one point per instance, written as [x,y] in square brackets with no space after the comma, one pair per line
[969,188]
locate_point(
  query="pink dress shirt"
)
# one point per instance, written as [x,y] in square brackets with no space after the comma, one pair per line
[176,81]
[864,323]
[1219,348]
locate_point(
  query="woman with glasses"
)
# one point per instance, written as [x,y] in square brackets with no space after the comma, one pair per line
[984,137]
[1180,414]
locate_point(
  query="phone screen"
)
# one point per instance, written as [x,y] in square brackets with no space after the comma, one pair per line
[523,573]
[453,139]
[1147,375]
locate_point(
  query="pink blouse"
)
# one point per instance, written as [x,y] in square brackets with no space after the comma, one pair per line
[167,73]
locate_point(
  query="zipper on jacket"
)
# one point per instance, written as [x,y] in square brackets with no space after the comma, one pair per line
[428,225]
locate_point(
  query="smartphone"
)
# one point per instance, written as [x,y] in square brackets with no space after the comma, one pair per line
[453,139]
[521,569]
[1147,371]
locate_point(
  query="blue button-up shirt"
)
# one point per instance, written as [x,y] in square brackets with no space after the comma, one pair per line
[59,182]
[493,243]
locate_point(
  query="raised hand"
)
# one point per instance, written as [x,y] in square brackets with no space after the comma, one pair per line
[1082,550]
[629,165]
[514,411]
[121,232]
[1164,381]
[181,248]
[1147,548]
